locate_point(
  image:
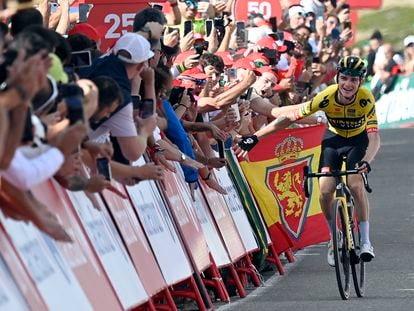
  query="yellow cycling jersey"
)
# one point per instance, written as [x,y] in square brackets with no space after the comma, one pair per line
[344,120]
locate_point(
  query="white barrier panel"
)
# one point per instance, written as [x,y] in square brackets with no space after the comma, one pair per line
[135,240]
[224,222]
[161,233]
[10,296]
[237,210]
[110,250]
[182,206]
[210,231]
[47,267]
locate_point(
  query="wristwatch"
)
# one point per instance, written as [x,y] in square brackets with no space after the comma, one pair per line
[183,157]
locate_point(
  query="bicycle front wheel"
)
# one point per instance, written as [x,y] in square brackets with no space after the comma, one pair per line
[341,253]
[357,265]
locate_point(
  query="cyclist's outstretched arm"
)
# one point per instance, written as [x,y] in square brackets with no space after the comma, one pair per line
[374,143]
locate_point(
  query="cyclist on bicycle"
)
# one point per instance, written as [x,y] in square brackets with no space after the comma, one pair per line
[352,132]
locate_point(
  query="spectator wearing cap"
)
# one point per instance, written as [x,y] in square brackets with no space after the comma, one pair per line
[89,31]
[314,6]
[128,58]
[409,55]
[296,16]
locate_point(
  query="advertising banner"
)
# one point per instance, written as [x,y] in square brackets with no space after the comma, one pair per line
[177,193]
[275,174]
[160,230]
[79,255]
[236,209]
[224,222]
[135,240]
[211,234]
[47,267]
[109,248]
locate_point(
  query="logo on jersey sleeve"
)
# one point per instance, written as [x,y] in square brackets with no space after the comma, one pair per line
[324,103]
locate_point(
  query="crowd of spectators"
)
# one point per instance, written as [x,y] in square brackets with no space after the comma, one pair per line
[178,87]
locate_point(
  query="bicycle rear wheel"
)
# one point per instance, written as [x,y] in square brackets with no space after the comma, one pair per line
[341,255]
[357,265]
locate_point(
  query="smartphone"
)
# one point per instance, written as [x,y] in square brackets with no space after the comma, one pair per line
[146,108]
[220,145]
[236,109]
[232,74]
[335,34]
[188,27]
[81,59]
[157,6]
[75,109]
[103,167]
[54,6]
[316,60]
[176,95]
[248,94]
[241,31]
[209,26]
[273,22]
[136,101]
[84,9]
[347,25]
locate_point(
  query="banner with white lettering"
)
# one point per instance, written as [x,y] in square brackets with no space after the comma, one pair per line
[181,204]
[10,296]
[79,255]
[32,298]
[211,234]
[109,248]
[236,209]
[47,267]
[160,230]
[135,240]
[224,222]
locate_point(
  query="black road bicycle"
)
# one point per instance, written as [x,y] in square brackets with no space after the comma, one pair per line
[346,236]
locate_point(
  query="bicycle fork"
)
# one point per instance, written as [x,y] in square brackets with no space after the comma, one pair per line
[348,230]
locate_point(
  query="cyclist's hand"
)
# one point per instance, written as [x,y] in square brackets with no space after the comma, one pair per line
[245,144]
[363,167]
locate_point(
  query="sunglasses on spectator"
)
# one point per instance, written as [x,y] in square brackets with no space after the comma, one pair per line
[189,3]
[410,45]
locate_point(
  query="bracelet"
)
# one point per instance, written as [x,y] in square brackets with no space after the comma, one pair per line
[208,176]
[181,68]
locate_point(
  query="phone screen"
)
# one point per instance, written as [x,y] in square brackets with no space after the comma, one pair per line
[273,22]
[348,25]
[241,32]
[136,101]
[176,95]
[188,27]
[146,108]
[75,109]
[84,9]
[209,26]
[316,60]
[81,59]
[103,167]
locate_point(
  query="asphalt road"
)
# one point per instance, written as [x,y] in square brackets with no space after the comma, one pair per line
[310,284]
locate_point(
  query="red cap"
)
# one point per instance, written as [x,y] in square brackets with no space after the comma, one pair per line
[270,43]
[258,56]
[227,58]
[85,29]
[246,63]
[183,56]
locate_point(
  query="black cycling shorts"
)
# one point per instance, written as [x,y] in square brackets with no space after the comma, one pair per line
[335,148]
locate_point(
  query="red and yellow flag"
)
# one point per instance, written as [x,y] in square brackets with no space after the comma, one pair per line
[275,174]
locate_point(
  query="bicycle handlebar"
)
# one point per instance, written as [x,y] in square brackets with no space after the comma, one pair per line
[307,174]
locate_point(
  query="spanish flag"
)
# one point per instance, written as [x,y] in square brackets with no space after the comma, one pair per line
[275,175]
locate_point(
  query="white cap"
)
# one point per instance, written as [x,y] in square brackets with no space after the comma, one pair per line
[255,34]
[136,45]
[408,40]
[296,9]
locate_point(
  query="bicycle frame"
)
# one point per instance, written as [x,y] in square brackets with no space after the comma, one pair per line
[341,193]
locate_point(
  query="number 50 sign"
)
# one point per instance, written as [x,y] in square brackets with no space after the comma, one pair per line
[268,8]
